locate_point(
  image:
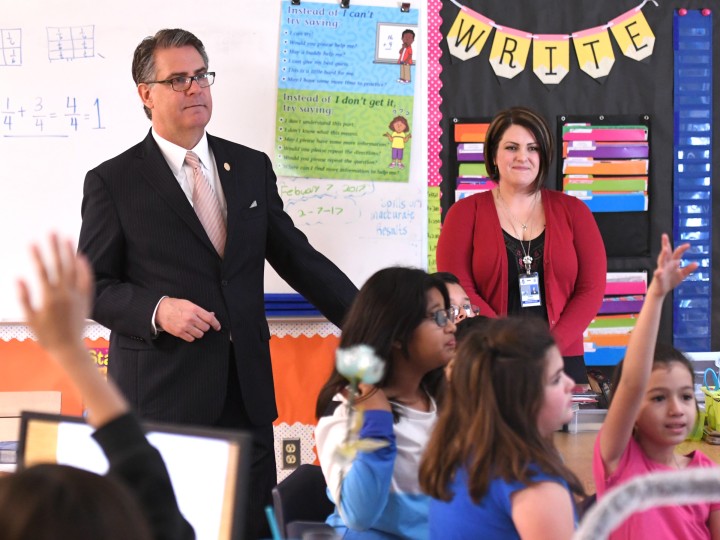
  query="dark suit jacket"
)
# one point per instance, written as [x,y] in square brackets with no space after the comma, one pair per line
[144,242]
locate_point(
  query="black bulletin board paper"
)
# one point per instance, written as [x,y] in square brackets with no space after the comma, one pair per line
[470,89]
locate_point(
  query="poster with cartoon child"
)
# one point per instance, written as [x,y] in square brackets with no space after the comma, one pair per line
[338,89]
[405,60]
[398,135]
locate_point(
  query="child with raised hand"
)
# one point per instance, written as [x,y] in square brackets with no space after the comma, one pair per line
[653,409]
[404,315]
[490,466]
[60,501]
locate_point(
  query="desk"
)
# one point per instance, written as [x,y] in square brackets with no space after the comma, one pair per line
[577,450]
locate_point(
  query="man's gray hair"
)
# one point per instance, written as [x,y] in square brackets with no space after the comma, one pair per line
[143,65]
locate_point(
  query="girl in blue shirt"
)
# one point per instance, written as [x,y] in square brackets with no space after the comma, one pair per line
[404,314]
[491,466]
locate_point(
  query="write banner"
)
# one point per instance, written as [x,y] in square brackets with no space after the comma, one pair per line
[551,61]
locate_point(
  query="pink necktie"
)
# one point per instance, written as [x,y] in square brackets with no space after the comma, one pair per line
[207,206]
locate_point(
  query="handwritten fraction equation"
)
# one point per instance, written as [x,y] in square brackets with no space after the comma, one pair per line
[10,47]
[58,117]
[70,42]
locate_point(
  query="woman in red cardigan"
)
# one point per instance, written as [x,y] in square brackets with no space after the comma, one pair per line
[520,249]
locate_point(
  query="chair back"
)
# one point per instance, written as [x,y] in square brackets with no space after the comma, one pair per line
[302,497]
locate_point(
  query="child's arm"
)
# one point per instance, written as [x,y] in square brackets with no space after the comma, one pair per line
[714,525]
[67,290]
[362,488]
[530,512]
[66,284]
[628,396]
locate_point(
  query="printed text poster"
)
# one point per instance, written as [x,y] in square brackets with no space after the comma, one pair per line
[345,92]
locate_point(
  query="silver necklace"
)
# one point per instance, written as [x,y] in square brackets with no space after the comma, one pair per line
[512,216]
[527,258]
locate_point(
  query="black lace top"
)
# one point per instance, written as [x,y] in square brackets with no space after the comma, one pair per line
[516,266]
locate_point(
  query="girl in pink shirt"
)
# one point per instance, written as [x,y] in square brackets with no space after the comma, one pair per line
[652,411]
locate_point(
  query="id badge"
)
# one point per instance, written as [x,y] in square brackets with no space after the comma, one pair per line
[530,290]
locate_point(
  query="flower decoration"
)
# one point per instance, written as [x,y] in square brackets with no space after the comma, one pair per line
[358,364]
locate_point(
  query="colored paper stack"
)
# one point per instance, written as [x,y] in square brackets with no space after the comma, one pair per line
[606,166]
[472,175]
[607,336]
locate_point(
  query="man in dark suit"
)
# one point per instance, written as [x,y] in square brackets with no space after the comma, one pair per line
[189,338]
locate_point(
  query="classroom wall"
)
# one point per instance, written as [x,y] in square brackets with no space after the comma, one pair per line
[302,358]
[242,39]
[471,89]
[69,103]
[301,365]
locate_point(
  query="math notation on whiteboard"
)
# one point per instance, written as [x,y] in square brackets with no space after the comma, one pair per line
[63,43]
[52,117]
[70,42]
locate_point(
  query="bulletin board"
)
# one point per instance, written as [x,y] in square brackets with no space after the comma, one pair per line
[633,88]
[68,103]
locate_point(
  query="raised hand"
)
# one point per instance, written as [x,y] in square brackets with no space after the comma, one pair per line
[66,285]
[669,274]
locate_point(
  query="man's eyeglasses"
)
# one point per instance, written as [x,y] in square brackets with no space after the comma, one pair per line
[468,309]
[182,83]
[443,316]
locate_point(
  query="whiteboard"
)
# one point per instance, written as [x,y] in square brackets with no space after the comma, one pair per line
[68,102]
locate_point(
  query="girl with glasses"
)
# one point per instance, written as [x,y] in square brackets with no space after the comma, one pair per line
[491,467]
[459,299]
[404,314]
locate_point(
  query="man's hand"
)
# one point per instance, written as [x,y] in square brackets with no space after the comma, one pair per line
[185,320]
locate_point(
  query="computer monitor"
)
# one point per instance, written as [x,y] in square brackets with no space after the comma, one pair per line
[208,467]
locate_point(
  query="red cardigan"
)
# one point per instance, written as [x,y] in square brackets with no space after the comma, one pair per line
[471,246]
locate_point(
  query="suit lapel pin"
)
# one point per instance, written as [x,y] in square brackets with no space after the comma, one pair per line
[226,166]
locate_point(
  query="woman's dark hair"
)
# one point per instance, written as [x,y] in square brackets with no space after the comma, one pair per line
[535,124]
[489,419]
[384,315]
[45,502]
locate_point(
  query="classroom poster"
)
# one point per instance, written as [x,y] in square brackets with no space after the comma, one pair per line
[345,91]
